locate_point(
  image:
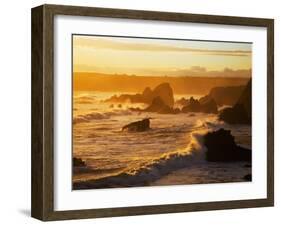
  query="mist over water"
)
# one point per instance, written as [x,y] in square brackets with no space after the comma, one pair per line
[170,153]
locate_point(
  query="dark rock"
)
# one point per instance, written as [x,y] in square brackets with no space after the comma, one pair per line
[246,99]
[78,162]
[248,177]
[120,105]
[235,115]
[147,92]
[176,111]
[208,106]
[160,107]
[182,101]
[138,126]
[241,112]
[164,91]
[193,106]
[137,109]
[135,98]
[221,147]
[224,95]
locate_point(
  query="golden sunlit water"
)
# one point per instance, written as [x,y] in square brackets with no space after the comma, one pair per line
[173,144]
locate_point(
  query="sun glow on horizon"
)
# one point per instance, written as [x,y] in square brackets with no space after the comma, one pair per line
[159,57]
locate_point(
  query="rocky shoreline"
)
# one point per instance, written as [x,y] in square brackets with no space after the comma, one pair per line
[161,100]
[220,144]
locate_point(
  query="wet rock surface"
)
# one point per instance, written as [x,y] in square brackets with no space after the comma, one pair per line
[241,112]
[221,147]
[208,106]
[138,126]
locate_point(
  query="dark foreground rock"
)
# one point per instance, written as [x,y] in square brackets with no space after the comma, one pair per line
[164,91]
[138,126]
[241,112]
[78,162]
[221,147]
[208,106]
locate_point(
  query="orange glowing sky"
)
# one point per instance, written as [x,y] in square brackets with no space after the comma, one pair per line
[158,57]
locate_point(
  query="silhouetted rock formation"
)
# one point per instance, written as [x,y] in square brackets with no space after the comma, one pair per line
[246,99]
[241,112]
[78,162]
[221,147]
[164,91]
[182,101]
[224,95]
[235,115]
[192,106]
[147,92]
[135,98]
[160,107]
[138,126]
[208,106]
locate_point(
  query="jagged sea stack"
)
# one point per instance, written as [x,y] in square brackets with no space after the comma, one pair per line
[241,112]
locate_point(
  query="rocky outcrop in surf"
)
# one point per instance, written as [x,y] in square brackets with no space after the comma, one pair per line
[246,98]
[241,112]
[224,95]
[208,106]
[221,147]
[138,126]
[182,102]
[164,91]
[159,106]
[235,115]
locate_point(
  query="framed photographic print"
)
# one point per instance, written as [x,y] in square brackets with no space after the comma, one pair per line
[141,112]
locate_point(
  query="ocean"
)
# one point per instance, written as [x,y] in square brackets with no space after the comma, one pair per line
[170,153]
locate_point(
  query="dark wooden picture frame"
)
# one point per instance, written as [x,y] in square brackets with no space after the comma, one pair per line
[42,203]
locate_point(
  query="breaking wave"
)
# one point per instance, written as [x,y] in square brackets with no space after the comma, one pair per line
[99,116]
[155,168]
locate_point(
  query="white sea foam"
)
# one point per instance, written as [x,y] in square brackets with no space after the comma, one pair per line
[174,142]
[154,169]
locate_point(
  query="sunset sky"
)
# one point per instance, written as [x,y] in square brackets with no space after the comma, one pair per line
[157,57]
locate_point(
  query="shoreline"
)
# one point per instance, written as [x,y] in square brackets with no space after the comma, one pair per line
[165,180]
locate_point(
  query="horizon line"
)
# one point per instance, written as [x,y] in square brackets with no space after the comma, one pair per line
[157,76]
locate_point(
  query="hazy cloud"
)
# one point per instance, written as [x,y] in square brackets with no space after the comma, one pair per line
[191,71]
[130,46]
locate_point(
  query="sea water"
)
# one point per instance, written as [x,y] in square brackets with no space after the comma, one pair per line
[171,152]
